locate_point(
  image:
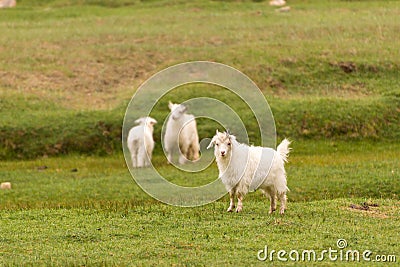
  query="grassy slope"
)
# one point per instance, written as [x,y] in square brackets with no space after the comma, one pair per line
[80,64]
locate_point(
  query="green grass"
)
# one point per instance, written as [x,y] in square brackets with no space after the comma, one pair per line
[99,216]
[70,60]
[32,127]
[162,235]
[329,70]
[318,170]
[292,52]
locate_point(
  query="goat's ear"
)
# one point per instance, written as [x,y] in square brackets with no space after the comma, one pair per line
[232,137]
[139,121]
[184,108]
[216,132]
[152,121]
[212,143]
[170,104]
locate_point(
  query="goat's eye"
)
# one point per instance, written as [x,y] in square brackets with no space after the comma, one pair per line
[217,144]
[229,144]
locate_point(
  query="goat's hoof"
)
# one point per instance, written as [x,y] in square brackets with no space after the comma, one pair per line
[281,212]
[229,209]
[239,209]
[271,211]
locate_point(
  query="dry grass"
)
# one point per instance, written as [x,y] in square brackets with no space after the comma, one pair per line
[91,58]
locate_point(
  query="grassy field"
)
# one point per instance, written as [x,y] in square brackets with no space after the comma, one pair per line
[88,211]
[329,70]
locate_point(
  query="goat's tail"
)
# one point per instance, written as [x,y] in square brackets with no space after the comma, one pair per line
[284,149]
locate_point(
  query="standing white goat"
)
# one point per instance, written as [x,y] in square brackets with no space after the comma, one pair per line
[181,134]
[140,142]
[242,167]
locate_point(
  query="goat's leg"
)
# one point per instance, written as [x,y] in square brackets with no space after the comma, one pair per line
[272,207]
[134,160]
[189,153]
[240,203]
[232,201]
[148,155]
[195,152]
[282,199]
[183,154]
[146,160]
[141,160]
[182,159]
[272,197]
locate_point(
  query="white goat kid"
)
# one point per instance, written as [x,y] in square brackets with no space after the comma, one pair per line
[242,167]
[181,135]
[140,142]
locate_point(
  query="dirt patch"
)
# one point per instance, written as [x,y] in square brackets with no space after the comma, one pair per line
[363,206]
[369,209]
[347,67]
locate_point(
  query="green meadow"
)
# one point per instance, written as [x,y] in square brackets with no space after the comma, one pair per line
[330,71]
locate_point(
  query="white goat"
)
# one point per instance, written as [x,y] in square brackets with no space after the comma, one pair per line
[242,167]
[181,134]
[140,142]
[277,2]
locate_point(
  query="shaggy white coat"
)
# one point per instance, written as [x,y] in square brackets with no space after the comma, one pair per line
[239,164]
[141,143]
[181,135]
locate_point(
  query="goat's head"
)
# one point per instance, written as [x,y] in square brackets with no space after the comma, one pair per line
[147,121]
[222,143]
[177,110]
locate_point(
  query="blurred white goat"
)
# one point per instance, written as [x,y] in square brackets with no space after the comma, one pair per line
[181,135]
[242,167]
[277,2]
[140,142]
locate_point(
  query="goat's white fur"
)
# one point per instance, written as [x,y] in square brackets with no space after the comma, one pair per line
[239,163]
[140,142]
[181,135]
